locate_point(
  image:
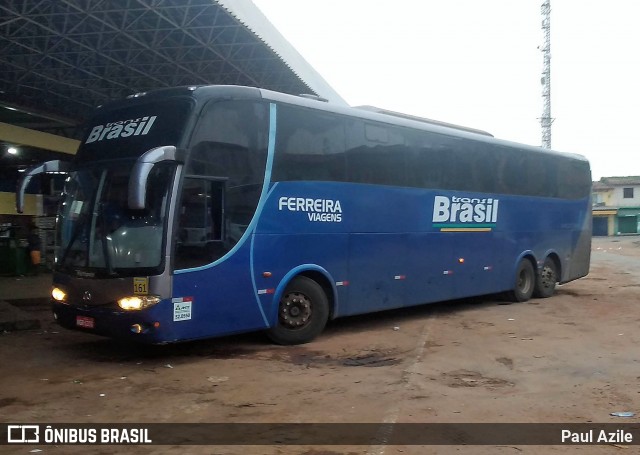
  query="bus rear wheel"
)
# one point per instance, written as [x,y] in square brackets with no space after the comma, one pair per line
[525,282]
[303,312]
[546,279]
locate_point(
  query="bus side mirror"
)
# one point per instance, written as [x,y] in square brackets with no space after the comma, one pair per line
[50,167]
[142,168]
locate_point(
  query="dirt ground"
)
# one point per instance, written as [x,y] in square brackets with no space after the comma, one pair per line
[569,358]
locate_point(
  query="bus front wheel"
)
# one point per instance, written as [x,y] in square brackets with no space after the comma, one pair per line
[303,312]
[525,282]
[546,279]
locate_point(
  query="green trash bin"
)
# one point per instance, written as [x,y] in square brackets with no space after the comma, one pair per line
[14,258]
[23,261]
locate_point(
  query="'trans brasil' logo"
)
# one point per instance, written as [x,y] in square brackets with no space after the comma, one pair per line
[463,214]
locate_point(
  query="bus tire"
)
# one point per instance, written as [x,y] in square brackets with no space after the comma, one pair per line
[525,282]
[303,312]
[546,279]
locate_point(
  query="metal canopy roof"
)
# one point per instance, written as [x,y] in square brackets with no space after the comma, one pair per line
[60,59]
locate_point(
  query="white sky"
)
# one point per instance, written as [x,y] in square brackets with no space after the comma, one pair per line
[476,63]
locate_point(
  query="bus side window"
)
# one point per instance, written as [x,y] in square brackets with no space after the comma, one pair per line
[460,171]
[230,142]
[427,168]
[442,162]
[430,158]
[309,146]
[512,175]
[483,164]
[376,153]
[574,180]
[224,176]
[537,176]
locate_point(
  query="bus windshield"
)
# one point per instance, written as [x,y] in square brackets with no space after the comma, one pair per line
[99,234]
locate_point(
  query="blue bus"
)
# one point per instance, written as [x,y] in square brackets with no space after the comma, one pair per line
[197,212]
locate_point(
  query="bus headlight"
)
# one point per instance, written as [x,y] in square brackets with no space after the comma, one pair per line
[138,302]
[58,294]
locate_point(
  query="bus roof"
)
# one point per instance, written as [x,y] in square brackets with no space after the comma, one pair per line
[204,92]
[409,121]
[423,119]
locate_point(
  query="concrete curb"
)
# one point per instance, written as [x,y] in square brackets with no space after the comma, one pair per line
[13,319]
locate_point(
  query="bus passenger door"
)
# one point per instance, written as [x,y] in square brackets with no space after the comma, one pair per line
[201,226]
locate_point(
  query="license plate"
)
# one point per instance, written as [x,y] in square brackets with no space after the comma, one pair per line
[85,322]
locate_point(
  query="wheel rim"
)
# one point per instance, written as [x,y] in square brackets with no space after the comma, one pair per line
[548,277]
[524,281]
[295,310]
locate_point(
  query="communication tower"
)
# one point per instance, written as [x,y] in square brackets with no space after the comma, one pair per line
[546,120]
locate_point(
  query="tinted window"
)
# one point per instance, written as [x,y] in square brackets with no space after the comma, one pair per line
[376,153]
[484,162]
[200,237]
[310,145]
[510,171]
[225,173]
[438,161]
[540,176]
[313,145]
[574,179]
[230,142]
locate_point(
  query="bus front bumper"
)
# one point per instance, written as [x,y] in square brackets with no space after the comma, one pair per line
[106,320]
